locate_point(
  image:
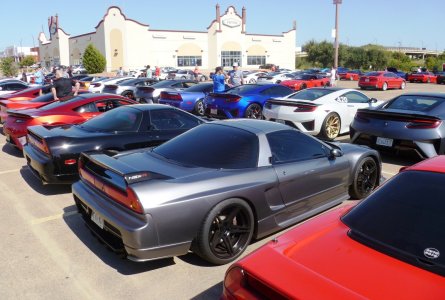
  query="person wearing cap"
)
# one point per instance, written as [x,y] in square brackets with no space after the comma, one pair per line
[236,76]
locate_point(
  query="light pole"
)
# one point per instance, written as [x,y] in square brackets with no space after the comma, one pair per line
[336,2]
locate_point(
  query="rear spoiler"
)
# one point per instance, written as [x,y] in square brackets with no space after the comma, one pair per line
[394,115]
[16,113]
[291,103]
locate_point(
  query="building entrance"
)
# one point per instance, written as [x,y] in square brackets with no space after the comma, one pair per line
[230,57]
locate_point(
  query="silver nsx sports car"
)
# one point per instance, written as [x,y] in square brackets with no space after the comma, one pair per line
[216,187]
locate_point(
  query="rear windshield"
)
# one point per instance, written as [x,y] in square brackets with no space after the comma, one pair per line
[213,146]
[164,83]
[404,218]
[311,94]
[415,103]
[373,74]
[200,87]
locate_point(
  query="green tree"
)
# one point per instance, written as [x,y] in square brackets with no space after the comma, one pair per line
[93,60]
[8,67]
[319,54]
[27,61]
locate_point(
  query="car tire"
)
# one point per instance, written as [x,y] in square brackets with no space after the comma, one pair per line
[402,85]
[365,178]
[199,108]
[226,232]
[330,129]
[252,81]
[254,111]
[183,77]
[128,94]
[384,86]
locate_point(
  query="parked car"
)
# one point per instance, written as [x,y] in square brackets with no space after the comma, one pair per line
[73,110]
[150,94]
[186,74]
[303,81]
[381,80]
[127,88]
[27,94]
[440,78]
[125,128]
[86,81]
[244,101]
[12,86]
[412,121]
[386,247]
[79,69]
[326,112]
[97,87]
[190,99]
[350,75]
[252,77]
[274,77]
[216,187]
[424,77]
[399,73]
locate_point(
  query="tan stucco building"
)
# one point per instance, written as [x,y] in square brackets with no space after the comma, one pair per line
[130,44]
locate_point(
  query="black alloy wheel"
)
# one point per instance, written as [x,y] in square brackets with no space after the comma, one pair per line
[254,111]
[226,232]
[365,178]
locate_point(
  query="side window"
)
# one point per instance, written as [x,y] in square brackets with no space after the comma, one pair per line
[189,84]
[354,97]
[167,119]
[16,86]
[90,107]
[276,91]
[177,85]
[290,145]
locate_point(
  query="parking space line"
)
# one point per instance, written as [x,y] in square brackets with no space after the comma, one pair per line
[9,171]
[54,217]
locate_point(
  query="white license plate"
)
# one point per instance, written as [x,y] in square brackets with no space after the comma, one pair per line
[366,79]
[98,220]
[384,142]
[213,111]
[280,121]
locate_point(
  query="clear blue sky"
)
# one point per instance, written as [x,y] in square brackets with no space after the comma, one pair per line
[385,22]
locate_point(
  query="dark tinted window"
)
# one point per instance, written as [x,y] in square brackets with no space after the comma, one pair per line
[243,89]
[165,119]
[61,103]
[278,91]
[404,217]
[44,98]
[205,87]
[122,119]
[415,102]
[373,74]
[356,97]
[312,94]
[292,145]
[213,146]
[130,82]
[164,83]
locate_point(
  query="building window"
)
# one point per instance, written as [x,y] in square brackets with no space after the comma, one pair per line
[230,57]
[188,61]
[256,60]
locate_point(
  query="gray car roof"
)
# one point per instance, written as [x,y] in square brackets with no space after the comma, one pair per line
[254,126]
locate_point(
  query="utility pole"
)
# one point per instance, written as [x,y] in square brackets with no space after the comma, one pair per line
[336,2]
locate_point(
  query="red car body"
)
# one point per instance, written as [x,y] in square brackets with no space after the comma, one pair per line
[72,111]
[381,80]
[425,77]
[320,260]
[306,81]
[26,94]
[350,75]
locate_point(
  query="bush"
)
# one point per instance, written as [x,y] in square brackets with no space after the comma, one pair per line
[93,60]
[8,67]
[27,61]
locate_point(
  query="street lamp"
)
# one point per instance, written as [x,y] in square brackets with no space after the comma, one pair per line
[336,2]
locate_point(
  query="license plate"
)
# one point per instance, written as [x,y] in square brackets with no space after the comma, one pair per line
[366,79]
[280,121]
[98,220]
[384,142]
[213,111]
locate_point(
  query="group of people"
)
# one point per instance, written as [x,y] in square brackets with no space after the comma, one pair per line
[220,78]
[147,73]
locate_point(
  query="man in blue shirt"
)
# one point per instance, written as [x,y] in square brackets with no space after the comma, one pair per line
[219,80]
[39,78]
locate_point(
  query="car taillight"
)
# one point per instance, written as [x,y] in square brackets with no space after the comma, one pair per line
[361,117]
[40,144]
[238,284]
[171,96]
[304,108]
[423,124]
[70,162]
[233,99]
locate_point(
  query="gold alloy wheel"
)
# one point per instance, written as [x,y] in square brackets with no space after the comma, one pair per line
[332,127]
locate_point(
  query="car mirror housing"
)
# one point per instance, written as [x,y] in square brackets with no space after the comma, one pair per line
[335,153]
[373,100]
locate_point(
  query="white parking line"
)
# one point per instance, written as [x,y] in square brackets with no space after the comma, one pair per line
[9,171]
[54,217]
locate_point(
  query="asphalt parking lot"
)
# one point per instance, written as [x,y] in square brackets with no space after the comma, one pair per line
[49,253]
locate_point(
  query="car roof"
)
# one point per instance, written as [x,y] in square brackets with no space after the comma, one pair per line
[146,107]
[435,164]
[440,95]
[253,126]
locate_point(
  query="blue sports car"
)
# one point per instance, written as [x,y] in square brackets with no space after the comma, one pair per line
[190,99]
[244,101]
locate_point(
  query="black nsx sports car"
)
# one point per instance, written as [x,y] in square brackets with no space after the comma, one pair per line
[52,152]
[217,186]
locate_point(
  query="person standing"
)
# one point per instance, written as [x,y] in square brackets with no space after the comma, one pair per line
[120,72]
[39,78]
[149,72]
[63,87]
[196,73]
[70,72]
[333,78]
[157,72]
[219,80]
[24,77]
[236,76]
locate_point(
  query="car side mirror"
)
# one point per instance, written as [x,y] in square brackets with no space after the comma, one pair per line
[372,100]
[335,153]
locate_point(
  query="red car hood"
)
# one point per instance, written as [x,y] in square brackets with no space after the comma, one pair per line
[317,260]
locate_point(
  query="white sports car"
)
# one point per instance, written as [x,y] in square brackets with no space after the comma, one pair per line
[274,77]
[319,111]
[252,77]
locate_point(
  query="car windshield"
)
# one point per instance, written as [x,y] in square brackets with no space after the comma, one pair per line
[404,218]
[164,83]
[415,102]
[200,87]
[242,89]
[44,98]
[213,146]
[123,118]
[311,94]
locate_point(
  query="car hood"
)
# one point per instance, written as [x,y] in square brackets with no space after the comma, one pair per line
[329,264]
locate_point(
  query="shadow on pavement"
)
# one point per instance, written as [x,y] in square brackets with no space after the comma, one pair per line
[213,292]
[11,150]
[402,158]
[39,187]
[122,265]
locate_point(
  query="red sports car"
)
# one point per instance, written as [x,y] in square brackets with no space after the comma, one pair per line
[73,111]
[390,246]
[26,94]
[425,77]
[350,75]
[301,82]
[381,80]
